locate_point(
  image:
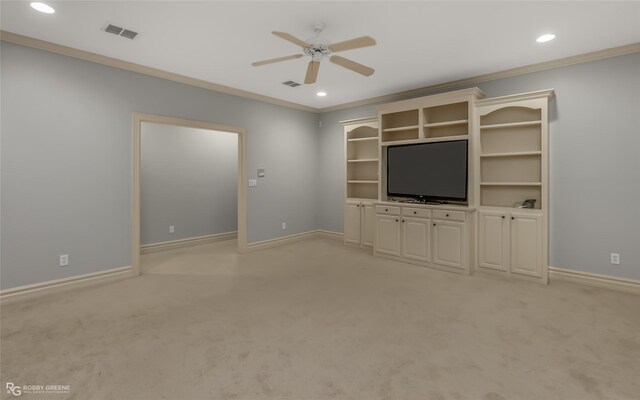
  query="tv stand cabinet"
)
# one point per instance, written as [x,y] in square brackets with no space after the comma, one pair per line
[436,236]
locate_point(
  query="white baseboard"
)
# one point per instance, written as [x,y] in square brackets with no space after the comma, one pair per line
[58,285]
[292,238]
[180,243]
[330,234]
[596,280]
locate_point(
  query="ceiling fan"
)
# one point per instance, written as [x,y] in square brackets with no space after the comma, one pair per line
[318,48]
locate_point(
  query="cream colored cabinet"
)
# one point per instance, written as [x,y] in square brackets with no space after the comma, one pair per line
[388,235]
[493,240]
[352,222]
[526,244]
[416,238]
[424,235]
[449,243]
[511,242]
[368,213]
[359,220]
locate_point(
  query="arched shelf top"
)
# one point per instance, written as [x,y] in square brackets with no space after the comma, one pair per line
[362,132]
[511,115]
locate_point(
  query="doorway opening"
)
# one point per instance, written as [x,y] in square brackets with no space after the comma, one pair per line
[154,235]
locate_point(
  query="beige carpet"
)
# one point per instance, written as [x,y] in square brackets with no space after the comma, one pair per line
[315,320]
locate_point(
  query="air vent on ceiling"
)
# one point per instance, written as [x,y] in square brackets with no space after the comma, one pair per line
[129,34]
[291,83]
[116,30]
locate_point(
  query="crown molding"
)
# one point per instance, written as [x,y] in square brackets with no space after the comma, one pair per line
[550,94]
[424,91]
[158,73]
[527,69]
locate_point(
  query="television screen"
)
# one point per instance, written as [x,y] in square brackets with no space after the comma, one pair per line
[436,171]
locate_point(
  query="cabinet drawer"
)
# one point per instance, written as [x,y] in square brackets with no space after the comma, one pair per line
[389,210]
[449,215]
[415,212]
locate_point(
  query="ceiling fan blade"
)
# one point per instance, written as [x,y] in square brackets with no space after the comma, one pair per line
[275,60]
[352,65]
[312,72]
[292,39]
[356,43]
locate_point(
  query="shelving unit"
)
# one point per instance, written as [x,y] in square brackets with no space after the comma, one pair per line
[361,149]
[403,125]
[437,118]
[512,140]
[446,120]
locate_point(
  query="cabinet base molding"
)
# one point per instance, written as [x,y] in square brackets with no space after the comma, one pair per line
[595,280]
[510,275]
[180,243]
[59,285]
[423,264]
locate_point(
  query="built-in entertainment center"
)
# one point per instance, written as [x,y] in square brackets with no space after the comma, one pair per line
[452,181]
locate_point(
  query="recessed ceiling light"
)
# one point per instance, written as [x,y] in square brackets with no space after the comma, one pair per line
[545,38]
[321,94]
[45,8]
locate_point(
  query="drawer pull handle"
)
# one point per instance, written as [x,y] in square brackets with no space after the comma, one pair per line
[386,209]
[415,212]
[512,218]
[447,215]
[434,224]
[503,217]
[396,220]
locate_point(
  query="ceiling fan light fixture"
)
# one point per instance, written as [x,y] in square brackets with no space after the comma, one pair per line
[546,38]
[321,94]
[42,7]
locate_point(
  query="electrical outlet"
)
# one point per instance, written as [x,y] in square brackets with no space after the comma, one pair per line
[172,229]
[615,258]
[284,225]
[64,260]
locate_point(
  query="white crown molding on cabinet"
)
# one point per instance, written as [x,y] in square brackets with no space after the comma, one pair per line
[158,73]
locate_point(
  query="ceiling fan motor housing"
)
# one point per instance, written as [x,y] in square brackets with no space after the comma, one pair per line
[317,52]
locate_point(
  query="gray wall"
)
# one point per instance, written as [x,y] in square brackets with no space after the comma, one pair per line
[594,162]
[66,161]
[188,179]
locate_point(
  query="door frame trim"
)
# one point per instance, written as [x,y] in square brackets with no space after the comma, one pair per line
[138,119]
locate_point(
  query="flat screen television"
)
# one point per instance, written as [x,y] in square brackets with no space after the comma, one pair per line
[428,171]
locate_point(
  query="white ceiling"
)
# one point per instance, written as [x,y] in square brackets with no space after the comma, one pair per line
[419,43]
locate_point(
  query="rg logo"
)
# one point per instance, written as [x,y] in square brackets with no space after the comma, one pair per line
[13,389]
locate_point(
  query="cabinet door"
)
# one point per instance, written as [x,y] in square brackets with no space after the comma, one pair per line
[493,240]
[448,243]
[388,235]
[368,223]
[416,238]
[526,244]
[352,222]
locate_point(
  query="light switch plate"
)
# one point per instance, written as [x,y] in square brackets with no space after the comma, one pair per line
[260,172]
[253,182]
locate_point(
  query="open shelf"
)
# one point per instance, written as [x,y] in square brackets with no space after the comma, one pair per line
[362,139]
[363,160]
[401,128]
[511,184]
[429,140]
[367,182]
[446,120]
[510,125]
[447,123]
[512,154]
[509,195]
